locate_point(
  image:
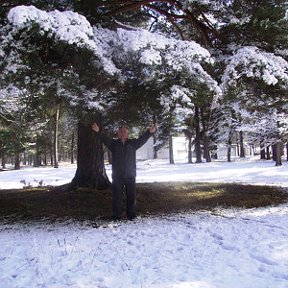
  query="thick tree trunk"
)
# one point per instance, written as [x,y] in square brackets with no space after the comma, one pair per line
[197,136]
[171,154]
[241,143]
[90,160]
[17,161]
[278,153]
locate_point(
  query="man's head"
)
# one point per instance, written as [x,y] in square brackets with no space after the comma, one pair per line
[123,133]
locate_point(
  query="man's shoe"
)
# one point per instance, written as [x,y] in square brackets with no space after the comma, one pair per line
[132,217]
[116,218]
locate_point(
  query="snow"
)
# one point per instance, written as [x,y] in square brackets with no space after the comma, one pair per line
[107,45]
[246,171]
[233,248]
[257,64]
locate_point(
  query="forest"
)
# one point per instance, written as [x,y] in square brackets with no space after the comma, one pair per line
[215,71]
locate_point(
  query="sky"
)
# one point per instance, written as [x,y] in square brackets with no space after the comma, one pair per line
[233,248]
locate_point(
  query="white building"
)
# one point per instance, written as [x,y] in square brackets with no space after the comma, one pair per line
[180,150]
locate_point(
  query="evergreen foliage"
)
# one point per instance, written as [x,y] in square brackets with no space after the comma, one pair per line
[103,59]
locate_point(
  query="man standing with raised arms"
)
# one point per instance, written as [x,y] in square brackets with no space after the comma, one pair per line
[124,168]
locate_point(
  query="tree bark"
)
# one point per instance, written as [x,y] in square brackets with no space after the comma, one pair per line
[268,156]
[37,156]
[190,148]
[197,137]
[229,146]
[205,125]
[287,151]
[278,153]
[262,151]
[171,154]
[55,139]
[3,160]
[155,154]
[241,143]
[17,161]
[90,160]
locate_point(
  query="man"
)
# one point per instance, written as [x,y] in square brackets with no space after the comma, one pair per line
[124,168]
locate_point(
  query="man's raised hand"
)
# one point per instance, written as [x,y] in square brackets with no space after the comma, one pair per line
[95,127]
[153,128]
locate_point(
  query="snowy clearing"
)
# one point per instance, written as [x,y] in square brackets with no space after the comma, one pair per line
[233,248]
[245,171]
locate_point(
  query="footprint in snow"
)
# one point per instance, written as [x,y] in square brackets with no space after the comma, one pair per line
[272,253]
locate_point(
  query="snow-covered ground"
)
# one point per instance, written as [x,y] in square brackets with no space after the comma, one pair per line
[233,248]
[248,170]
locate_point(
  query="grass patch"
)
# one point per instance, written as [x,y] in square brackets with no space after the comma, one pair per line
[152,199]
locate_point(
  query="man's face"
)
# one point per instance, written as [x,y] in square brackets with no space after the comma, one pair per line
[123,133]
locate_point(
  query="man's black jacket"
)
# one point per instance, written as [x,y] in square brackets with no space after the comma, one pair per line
[124,154]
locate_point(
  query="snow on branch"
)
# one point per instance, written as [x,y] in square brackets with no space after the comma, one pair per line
[150,49]
[74,28]
[143,39]
[254,63]
[66,26]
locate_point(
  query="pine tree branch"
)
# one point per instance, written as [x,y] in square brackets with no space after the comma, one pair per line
[203,28]
[170,17]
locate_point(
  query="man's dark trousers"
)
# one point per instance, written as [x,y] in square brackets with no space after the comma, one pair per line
[120,184]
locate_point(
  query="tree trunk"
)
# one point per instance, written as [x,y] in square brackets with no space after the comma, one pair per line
[3,160]
[190,148]
[55,139]
[37,156]
[268,155]
[206,138]
[229,153]
[155,154]
[72,148]
[242,150]
[278,153]
[45,154]
[262,151]
[206,149]
[197,136]
[287,151]
[229,146]
[90,160]
[171,154]
[51,154]
[17,161]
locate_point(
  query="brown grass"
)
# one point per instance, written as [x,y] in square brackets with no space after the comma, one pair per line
[152,199]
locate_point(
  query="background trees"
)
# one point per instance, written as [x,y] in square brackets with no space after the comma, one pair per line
[253,71]
[102,64]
